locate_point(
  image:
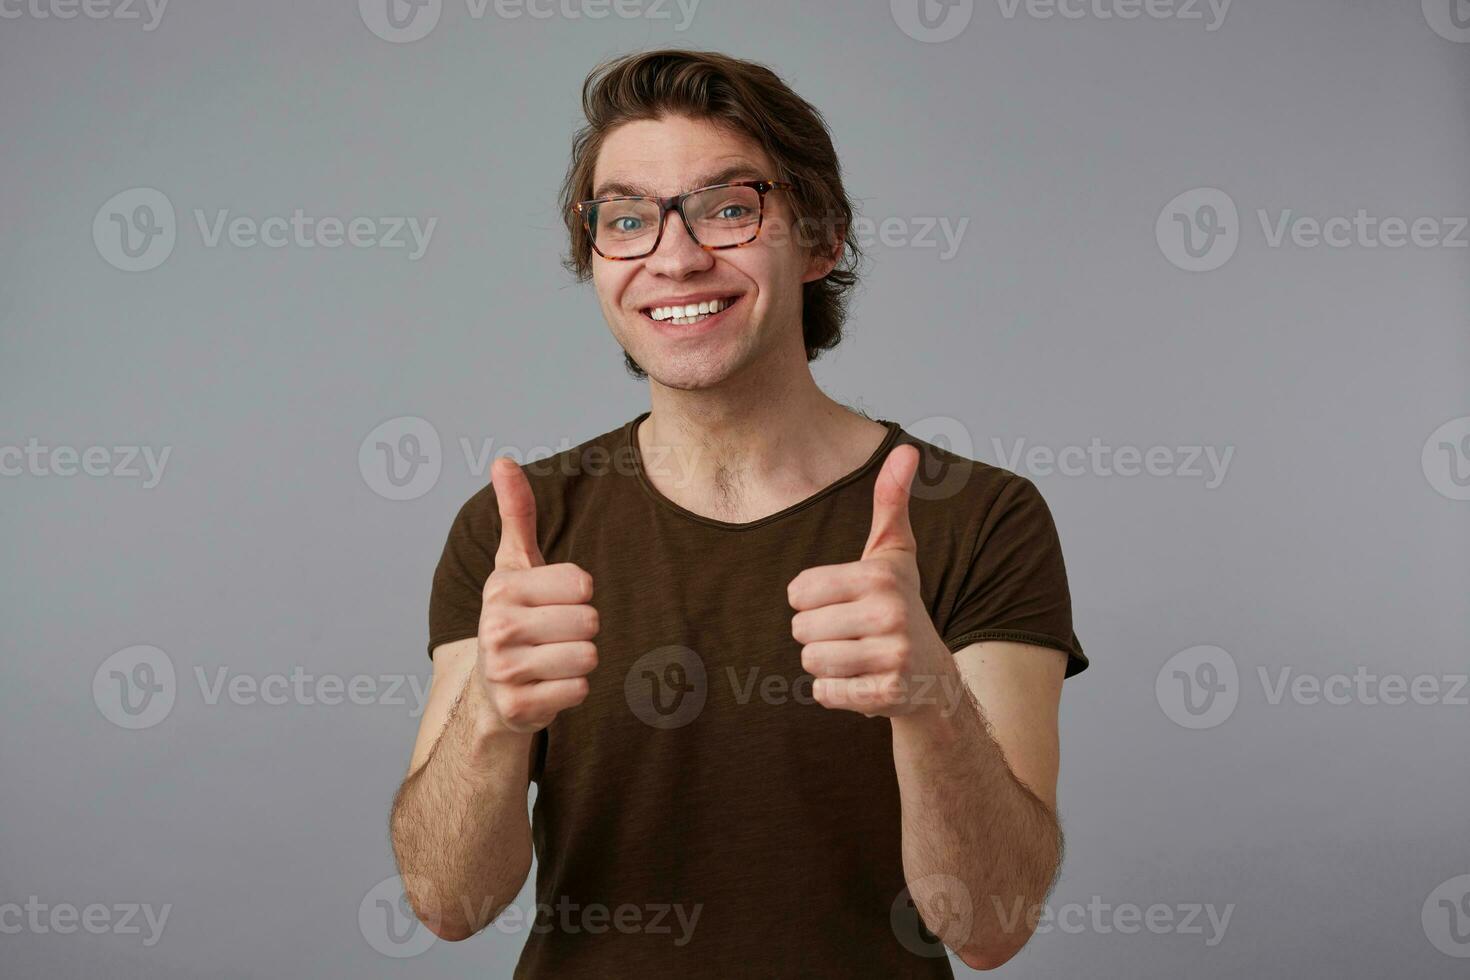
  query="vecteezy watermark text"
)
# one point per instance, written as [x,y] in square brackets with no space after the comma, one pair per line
[403,458]
[136,688]
[406,21]
[1200,230]
[35,459]
[388,921]
[1207,463]
[63,918]
[933,21]
[136,230]
[1201,686]
[1127,918]
[123,10]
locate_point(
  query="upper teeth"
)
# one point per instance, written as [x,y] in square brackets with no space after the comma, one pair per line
[689,309]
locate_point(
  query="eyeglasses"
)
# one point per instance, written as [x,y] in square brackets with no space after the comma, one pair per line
[718,216]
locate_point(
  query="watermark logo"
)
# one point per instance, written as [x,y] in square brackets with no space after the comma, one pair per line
[946,690]
[135,688]
[666,688]
[387,921]
[135,230]
[401,459]
[936,232]
[1103,918]
[1199,230]
[674,920]
[1450,19]
[1446,917]
[951,915]
[400,21]
[1210,12]
[1446,459]
[941,477]
[405,21]
[1206,463]
[932,21]
[1198,687]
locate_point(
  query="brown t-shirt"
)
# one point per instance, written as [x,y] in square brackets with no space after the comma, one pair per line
[699,814]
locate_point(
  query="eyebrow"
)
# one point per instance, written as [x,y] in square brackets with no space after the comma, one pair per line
[616,187]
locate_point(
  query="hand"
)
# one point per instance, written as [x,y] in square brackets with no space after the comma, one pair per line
[536,621]
[866,636]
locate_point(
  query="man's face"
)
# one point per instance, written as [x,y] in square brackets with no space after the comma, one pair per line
[762,281]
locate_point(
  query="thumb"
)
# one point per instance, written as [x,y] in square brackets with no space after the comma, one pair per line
[891,530]
[517,506]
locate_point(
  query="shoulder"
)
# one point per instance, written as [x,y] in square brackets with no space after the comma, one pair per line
[948,481]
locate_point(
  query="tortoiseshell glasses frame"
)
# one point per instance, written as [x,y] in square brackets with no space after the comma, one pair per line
[588,212]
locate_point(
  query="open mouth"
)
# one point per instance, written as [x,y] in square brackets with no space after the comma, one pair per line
[690,313]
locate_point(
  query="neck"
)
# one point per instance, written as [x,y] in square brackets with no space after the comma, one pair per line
[753,445]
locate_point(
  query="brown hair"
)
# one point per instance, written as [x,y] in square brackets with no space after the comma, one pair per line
[750,99]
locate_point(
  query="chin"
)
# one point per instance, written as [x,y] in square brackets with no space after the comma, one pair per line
[688,376]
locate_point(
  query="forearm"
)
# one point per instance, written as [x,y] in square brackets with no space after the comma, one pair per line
[459,825]
[967,818]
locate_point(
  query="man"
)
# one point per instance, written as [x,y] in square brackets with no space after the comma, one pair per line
[780,696]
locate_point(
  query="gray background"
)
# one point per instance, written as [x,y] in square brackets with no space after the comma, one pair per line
[267,547]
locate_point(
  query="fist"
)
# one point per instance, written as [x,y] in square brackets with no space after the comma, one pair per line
[866,636]
[536,620]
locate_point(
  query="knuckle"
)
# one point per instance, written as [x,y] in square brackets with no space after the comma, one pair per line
[500,670]
[811,660]
[882,575]
[571,578]
[496,632]
[589,657]
[513,708]
[883,617]
[584,584]
[495,588]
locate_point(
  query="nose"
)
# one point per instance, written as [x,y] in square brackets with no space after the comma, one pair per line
[678,255]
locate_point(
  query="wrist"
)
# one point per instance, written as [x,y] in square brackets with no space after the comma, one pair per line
[942,712]
[487,735]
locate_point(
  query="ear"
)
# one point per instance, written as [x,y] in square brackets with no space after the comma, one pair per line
[822,259]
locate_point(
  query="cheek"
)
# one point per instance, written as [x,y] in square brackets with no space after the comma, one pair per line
[609,281]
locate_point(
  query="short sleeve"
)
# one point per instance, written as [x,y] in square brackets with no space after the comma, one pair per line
[464,565]
[1015,587]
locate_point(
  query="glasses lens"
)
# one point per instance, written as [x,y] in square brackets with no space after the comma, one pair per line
[725,215]
[623,227]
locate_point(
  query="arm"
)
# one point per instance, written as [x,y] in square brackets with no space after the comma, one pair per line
[977,776]
[974,732]
[459,825]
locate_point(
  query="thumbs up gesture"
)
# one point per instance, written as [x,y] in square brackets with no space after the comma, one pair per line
[866,635]
[536,620]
